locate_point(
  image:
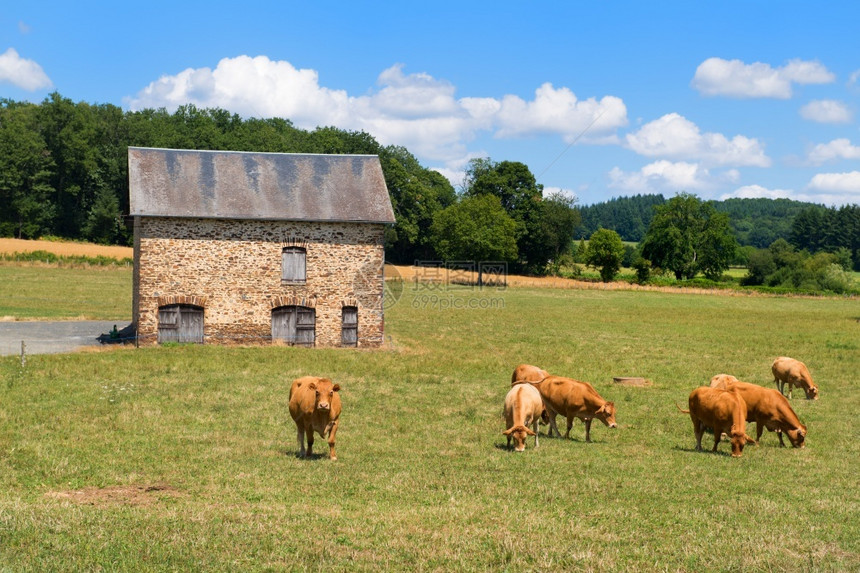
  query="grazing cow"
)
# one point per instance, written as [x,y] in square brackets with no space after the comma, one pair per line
[523,408]
[767,408]
[528,373]
[315,407]
[724,411]
[794,373]
[574,399]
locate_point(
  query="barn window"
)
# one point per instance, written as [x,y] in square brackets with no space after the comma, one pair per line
[349,326]
[293,268]
[294,324]
[180,323]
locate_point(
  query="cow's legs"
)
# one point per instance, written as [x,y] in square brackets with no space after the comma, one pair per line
[552,424]
[569,426]
[781,443]
[535,428]
[759,429]
[588,430]
[300,437]
[310,432]
[699,431]
[718,434]
[331,432]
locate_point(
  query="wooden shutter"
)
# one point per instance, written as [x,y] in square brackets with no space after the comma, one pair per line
[349,328]
[305,326]
[293,265]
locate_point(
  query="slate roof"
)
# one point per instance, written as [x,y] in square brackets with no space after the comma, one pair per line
[250,185]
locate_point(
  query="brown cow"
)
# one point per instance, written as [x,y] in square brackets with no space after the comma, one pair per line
[315,407]
[794,373]
[523,408]
[767,408]
[574,399]
[528,373]
[724,411]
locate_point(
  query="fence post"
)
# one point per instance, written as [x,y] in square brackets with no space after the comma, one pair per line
[23,354]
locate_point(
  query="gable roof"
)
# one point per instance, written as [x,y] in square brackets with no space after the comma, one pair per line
[250,185]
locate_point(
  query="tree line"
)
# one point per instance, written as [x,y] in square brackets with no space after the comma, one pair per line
[64,173]
[755,223]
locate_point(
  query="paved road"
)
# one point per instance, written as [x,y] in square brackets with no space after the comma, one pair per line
[53,337]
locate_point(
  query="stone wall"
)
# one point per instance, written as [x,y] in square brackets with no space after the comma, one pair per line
[234,268]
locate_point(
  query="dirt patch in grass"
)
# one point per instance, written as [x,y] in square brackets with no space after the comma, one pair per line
[138,495]
[65,249]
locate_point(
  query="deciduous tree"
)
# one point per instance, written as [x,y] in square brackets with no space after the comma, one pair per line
[605,252]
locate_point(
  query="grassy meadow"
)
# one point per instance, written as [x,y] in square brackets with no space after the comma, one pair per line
[183,457]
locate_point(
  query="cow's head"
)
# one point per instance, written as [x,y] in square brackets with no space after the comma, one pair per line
[739,440]
[797,436]
[519,433]
[811,392]
[324,390]
[606,414]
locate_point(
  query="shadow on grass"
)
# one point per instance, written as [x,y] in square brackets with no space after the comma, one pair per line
[693,450]
[311,458]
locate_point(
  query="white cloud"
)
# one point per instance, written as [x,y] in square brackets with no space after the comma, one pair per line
[834,189]
[675,137]
[22,73]
[734,78]
[414,110]
[662,176]
[836,149]
[838,182]
[826,111]
[250,87]
[757,191]
[559,111]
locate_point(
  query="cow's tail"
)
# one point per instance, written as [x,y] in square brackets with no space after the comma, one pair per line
[681,410]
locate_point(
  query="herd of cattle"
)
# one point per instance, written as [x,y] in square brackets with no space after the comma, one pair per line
[535,395]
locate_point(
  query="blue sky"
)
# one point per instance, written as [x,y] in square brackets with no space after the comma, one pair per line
[599,99]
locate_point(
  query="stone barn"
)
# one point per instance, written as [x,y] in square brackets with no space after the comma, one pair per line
[242,247]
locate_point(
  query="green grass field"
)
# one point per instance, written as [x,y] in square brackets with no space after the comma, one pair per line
[183,457]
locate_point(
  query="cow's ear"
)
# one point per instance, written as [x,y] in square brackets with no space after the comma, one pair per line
[312,386]
[529,431]
[508,432]
[335,388]
[802,432]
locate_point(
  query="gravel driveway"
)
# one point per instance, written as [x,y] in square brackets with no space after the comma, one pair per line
[53,337]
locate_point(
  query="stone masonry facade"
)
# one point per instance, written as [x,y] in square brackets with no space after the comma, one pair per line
[232,269]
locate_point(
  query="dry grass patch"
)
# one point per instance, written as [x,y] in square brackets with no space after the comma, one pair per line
[65,249]
[137,495]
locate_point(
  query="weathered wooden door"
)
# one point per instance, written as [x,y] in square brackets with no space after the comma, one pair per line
[349,328]
[294,324]
[180,323]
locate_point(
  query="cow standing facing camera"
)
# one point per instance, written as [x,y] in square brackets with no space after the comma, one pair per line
[523,408]
[315,407]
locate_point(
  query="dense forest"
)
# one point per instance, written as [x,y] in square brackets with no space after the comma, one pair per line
[64,173]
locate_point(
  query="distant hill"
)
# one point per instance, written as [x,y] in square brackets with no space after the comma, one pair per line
[756,222]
